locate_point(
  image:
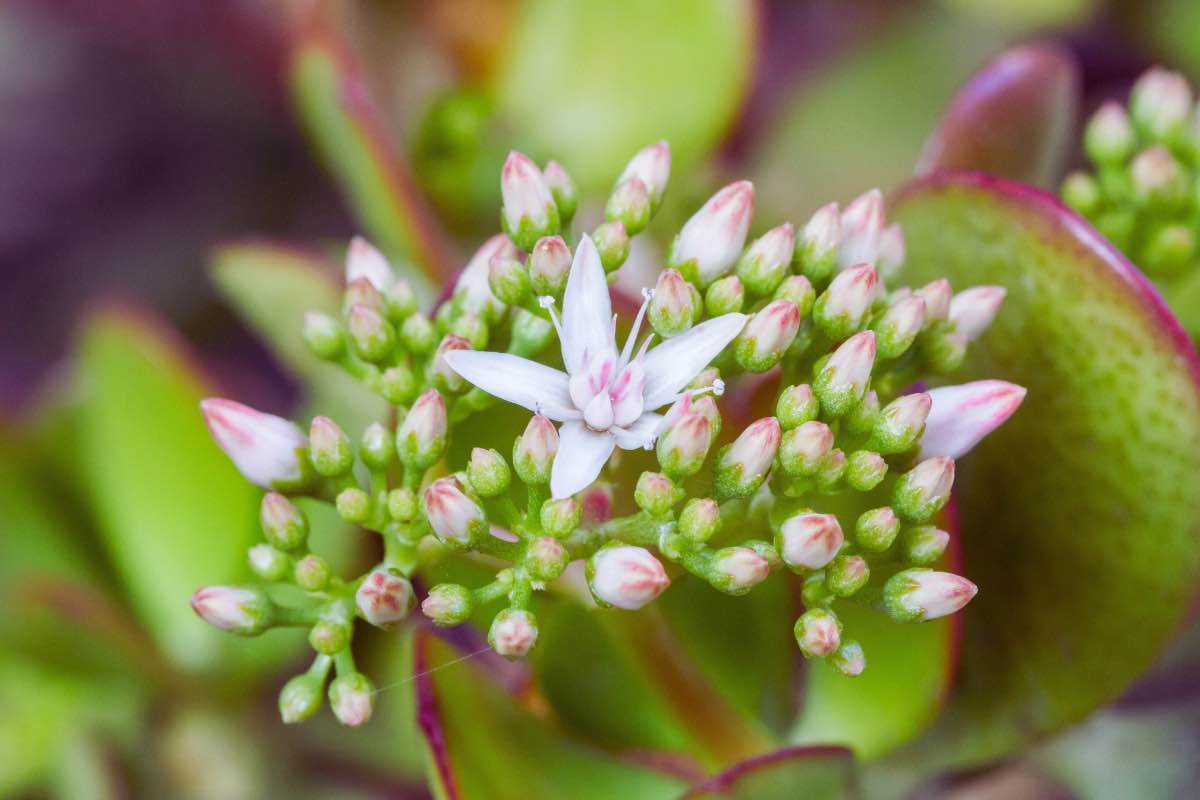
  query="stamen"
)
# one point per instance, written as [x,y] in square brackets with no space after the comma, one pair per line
[547,302]
[717,388]
[627,351]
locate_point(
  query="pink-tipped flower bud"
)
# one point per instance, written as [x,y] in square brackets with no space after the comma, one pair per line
[612,245]
[1157,176]
[917,595]
[818,633]
[898,327]
[329,448]
[973,310]
[442,375]
[560,517]
[284,525]
[473,293]
[383,597]
[767,336]
[652,166]
[421,438]
[244,610]
[529,210]
[724,296]
[1109,136]
[372,337]
[682,449]
[737,570]
[809,541]
[352,698]
[448,604]
[673,308]
[960,416]
[1160,103]
[766,262]
[842,382]
[324,336]
[562,188]
[803,449]
[630,205]
[488,472]
[937,295]
[655,494]
[891,250]
[454,517]
[922,491]
[875,530]
[700,519]
[842,308]
[514,632]
[710,242]
[534,450]
[546,558]
[817,248]
[364,261]
[862,228]
[549,266]
[796,406]
[625,576]
[743,465]
[265,448]
[846,574]
[900,423]
[849,659]
[361,291]
[924,544]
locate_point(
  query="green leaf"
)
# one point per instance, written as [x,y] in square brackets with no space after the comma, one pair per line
[1014,118]
[344,126]
[589,84]
[174,512]
[272,286]
[1079,515]
[812,773]
[483,744]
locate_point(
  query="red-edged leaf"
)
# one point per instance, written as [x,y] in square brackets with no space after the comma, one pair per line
[812,773]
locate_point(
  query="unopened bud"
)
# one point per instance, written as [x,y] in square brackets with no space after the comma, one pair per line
[508,280]
[937,295]
[891,251]
[672,308]
[799,290]
[842,382]
[1158,178]
[454,517]
[329,448]
[655,494]
[845,575]
[243,610]
[421,438]
[817,248]
[724,296]
[1160,104]
[563,190]
[546,558]
[630,205]
[652,166]
[865,470]
[401,301]
[514,632]
[268,563]
[362,292]
[530,334]
[710,242]
[364,261]
[743,465]
[767,336]
[530,211]
[378,449]
[448,604]
[533,453]
[474,293]
[625,576]
[371,335]
[283,524]
[917,595]
[352,698]
[384,598]
[1169,248]
[898,327]
[442,376]
[849,659]
[973,310]
[683,448]
[832,470]
[803,449]
[398,384]
[612,245]
[488,472]
[300,698]
[924,544]
[418,335]
[700,519]
[312,573]
[549,265]
[922,491]
[766,262]
[818,633]
[1082,192]
[945,351]
[876,529]
[796,406]
[560,517]
[809,541]
[900,423]
[353,505]
[862,228]
[861,419]
[266,449]
[961,416]
[323,335]
[737,570]
[402,505]
[842,308]
[1109,136]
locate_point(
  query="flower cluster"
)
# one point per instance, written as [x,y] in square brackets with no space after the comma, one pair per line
[808,307]
[1144,192]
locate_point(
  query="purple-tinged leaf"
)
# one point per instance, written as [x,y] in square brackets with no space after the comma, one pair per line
[814,773]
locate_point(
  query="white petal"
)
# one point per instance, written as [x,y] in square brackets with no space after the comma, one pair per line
[962,415]
[587,309]
[676,361]
[517,380]
[641,433]
[581,456]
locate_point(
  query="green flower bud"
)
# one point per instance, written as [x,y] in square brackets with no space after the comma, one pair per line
[418,335]
[560,518]
[849,659]
[629,204]
[1081,192]
[897,329]
[400,301]
[655,494]
[508,279]
[488,472]
[922,491]
[818,632]
[743,465]
[865,470]
[329,448]
[1158,178]
[530,333]
[533,452]
[378,448]
[284,525]
[546,558]
[766,262]
[700,519]
[612,243]
[737,570]
[354,505]
[876,529]
[529,211]
[329,637]
[817,245]
[813,592]
[513,633]
[861,420]
[421,438]
[832,470]
[1169,249]
[842,309]
[448,604]
[301,697]
[398,384]
[563,190]
[472,329]
[1160,103]
[797,289]
[767,336]
[796,406]
[402,505]
[724,296]
[924,544]
[846,574]
[946,351]
[352,698]
[371,336]
[683,447]
[1109,137]
[802,450]
[900,424]
[549,266]
[268,563]
[672,308]
[841,382]
[323,335]
[312,573]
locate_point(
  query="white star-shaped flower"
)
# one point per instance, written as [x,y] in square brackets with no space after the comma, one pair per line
[605,399]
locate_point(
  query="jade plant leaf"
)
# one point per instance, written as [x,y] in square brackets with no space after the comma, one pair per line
[173,511]
[1079,519]
[814,773]
[574,79]
[1014,118]
[348,134]
[482,743]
